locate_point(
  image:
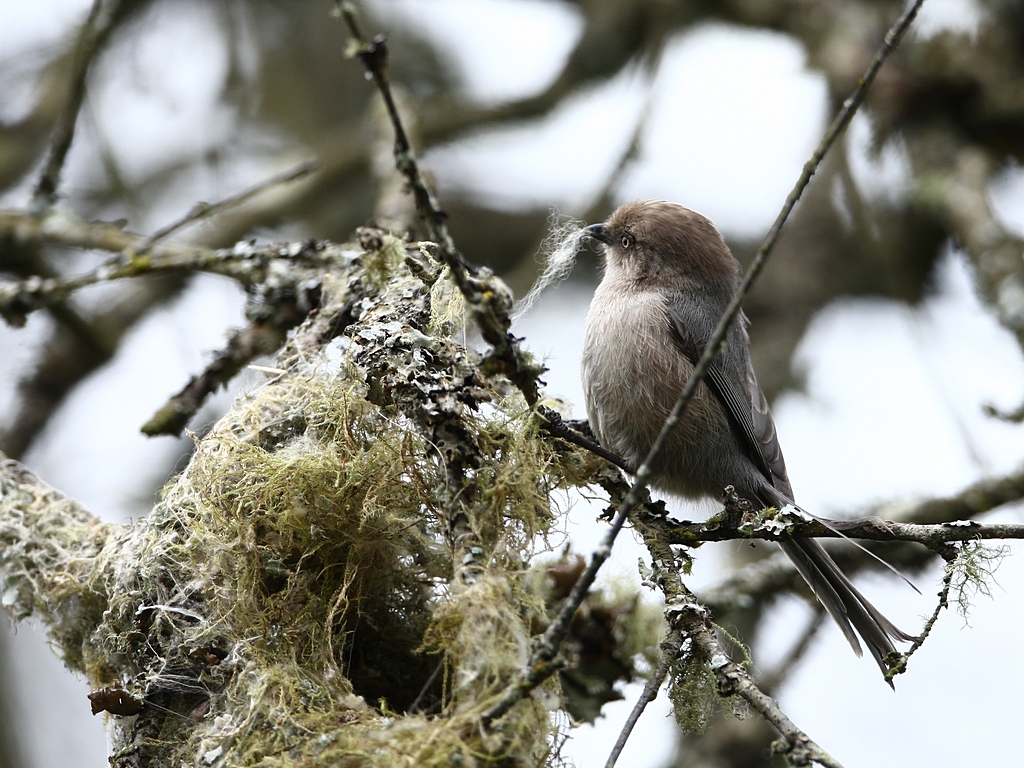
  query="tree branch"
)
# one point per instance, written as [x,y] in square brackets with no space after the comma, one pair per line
[201,211]
[244,262]
[690,619]
[669,648]
[777,526]
[102,19]
[243,346]
[776,574]
[899,666]
[487,298]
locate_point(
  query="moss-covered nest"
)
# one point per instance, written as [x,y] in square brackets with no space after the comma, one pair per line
[336,578]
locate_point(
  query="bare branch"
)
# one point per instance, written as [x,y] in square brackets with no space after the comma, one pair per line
[243,346]
[487,298]
[74,350]
[60,227]
[244,263]
[776,574]
[669,648]
[899,666]
[778,526]
[556,427]
[201,211]
[102,19]
[275,306]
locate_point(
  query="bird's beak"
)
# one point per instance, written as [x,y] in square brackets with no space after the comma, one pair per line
[597,232]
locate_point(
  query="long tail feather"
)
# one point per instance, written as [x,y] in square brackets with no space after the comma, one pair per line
[850,609]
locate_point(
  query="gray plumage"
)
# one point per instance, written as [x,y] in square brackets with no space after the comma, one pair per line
[668,278]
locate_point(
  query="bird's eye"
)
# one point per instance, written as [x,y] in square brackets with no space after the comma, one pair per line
[627,241]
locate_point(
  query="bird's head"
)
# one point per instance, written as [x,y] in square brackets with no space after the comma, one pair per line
[655,239]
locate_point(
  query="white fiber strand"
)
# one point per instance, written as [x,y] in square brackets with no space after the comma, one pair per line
[558,252]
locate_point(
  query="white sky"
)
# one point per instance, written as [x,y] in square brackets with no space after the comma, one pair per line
[735,116]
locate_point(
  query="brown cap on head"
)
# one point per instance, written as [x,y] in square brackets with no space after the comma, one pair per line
[656,237]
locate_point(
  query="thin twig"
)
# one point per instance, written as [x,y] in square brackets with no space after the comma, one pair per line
[765,578]
[539,666]
[374,56]
[796,745]
[899,666]
[207,210]
[242,262]
[488,299]
[669,648]
[257,338]
[101,21]
[541,663]
[555,426]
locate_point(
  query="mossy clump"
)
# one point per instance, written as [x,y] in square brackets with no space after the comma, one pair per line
[693,690]
[335,579]
[48,547]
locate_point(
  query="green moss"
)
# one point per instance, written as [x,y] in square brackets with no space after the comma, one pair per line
[693,690]
[447,305]
[300,578]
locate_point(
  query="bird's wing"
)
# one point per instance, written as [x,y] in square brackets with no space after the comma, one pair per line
[762,432]
[731,378]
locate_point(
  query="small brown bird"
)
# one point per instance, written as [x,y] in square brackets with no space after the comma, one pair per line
[668,279]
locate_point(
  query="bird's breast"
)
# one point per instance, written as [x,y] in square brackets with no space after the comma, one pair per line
[633,372]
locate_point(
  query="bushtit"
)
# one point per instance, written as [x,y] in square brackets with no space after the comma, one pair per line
[668,279]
